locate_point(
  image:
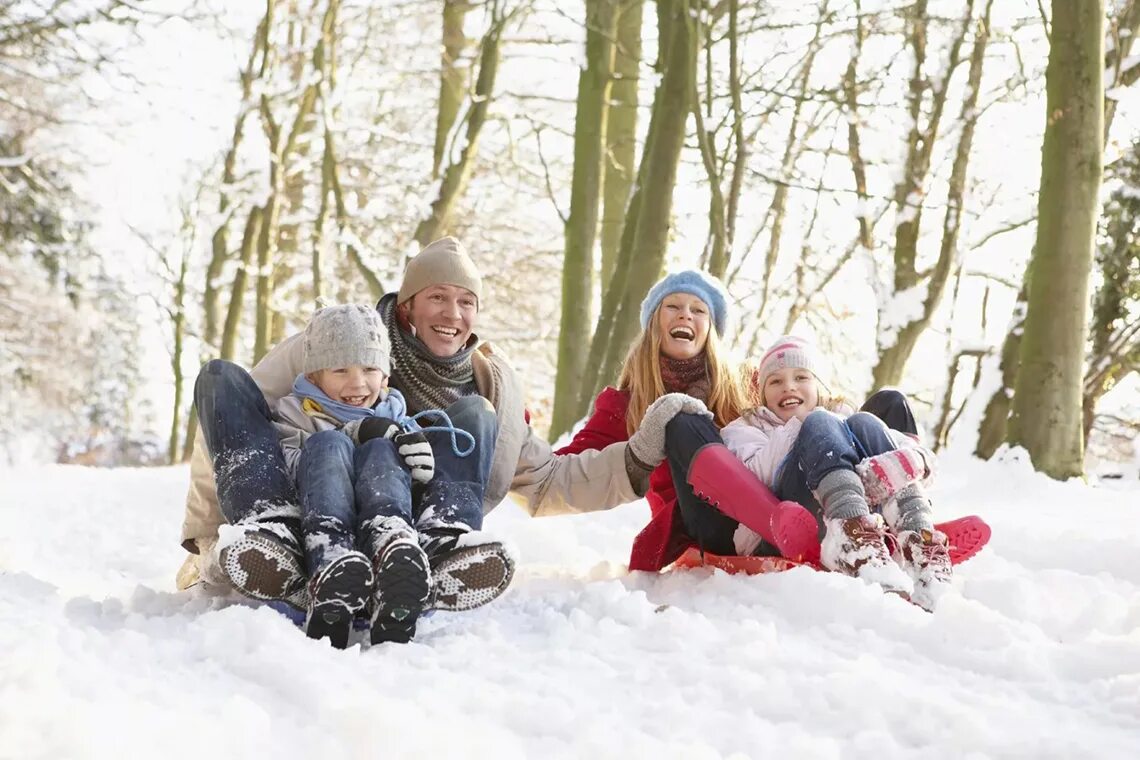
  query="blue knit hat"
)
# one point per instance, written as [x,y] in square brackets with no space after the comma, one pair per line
[703,286]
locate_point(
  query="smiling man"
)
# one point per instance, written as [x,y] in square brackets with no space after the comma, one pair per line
[437,362]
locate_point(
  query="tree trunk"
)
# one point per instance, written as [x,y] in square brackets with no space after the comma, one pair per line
[249,241]
[621,134]
[582,225]
[652,205]
[457,173]
[178,315]
[992,430]
[1046,413]
[453,73]
[895,351]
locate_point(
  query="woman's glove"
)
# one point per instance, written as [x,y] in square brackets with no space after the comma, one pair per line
[370,427]
[647,444]
[886,474]
[414,449]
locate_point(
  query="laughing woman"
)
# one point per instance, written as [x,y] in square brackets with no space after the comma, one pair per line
[677,364]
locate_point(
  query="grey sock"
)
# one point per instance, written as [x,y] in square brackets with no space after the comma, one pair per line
[841,494]
[914,509]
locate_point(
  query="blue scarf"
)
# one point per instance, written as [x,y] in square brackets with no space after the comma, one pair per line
[392,407]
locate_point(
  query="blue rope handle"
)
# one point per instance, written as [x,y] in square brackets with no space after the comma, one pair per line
[446,427]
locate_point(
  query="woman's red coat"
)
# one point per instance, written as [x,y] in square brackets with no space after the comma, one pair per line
[663,539]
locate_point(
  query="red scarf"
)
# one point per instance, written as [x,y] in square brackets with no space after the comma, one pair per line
[689,376]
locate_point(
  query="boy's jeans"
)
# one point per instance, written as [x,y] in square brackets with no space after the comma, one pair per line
[345,487]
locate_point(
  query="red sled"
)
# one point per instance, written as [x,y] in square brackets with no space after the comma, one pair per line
[966,535]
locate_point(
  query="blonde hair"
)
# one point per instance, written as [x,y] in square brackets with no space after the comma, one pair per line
[641,375]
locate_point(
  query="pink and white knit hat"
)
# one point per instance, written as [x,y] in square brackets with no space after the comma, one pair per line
[791,351]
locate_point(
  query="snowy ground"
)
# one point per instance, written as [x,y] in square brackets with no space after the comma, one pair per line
[1037,655]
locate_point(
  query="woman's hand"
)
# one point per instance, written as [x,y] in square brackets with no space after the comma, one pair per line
[647,444]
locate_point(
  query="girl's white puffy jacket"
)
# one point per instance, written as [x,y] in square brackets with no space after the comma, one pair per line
[762,440]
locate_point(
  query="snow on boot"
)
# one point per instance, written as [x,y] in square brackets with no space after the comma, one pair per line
[263,560]
[401,589]
[476,570]
[722,480]
[925,556]
[856,546]
[337,592]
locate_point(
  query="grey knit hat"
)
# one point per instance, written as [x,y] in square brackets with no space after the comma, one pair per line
[343,336]
[444,262]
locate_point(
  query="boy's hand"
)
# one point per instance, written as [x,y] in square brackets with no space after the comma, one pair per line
[370,427]
[415,450]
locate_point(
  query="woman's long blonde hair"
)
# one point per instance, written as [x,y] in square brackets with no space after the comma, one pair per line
[730,392]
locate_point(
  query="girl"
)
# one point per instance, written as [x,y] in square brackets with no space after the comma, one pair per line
[800,442]
[675,389]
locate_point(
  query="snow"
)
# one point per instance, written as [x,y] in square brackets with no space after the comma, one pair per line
[1034,654]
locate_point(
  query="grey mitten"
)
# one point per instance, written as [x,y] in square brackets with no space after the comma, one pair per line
[647,444]
[414,449]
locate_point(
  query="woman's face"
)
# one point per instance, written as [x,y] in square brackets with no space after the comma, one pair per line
[684,323]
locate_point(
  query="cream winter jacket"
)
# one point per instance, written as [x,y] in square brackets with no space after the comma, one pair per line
[523,463]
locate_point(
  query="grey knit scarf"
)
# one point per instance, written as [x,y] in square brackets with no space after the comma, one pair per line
[426,380]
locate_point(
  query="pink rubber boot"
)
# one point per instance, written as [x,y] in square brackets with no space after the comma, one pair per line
[722,480]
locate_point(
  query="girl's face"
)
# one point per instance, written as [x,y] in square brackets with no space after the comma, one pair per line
[684,323]
[355,385]
[791,392]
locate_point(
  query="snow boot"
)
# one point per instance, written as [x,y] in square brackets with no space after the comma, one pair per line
[925,556]
[855,541]
[469,568]
[722,480]
[264,561]
[337,592]
[857,546]
[402,586]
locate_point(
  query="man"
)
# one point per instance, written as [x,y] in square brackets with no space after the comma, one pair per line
[437,363]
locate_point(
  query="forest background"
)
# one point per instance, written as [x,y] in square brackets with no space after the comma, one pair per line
[186,179]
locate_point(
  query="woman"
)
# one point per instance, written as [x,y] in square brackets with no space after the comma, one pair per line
[679,352]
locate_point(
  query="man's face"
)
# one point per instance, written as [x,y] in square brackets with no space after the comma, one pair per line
[443,317]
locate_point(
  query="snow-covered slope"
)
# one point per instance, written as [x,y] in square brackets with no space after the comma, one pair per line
[1036,655]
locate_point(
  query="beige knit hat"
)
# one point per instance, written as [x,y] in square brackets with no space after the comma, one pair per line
[444,262]
[344,336]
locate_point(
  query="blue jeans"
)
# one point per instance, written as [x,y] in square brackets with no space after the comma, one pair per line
[827,443]
[454,496]
[249,468]
[344,487]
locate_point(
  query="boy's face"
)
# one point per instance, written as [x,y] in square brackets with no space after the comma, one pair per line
[791,392]
[443,316]
[683,321]
[355,385]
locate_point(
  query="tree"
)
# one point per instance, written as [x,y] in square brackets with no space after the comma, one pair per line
[1046,413]
[582,225]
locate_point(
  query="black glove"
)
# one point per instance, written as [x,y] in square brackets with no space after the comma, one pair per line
[371,427]
[415,450]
